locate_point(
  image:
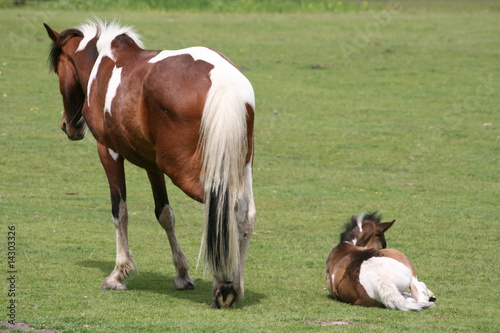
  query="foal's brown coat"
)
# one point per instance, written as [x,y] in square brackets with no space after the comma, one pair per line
[364,239]
[344,261]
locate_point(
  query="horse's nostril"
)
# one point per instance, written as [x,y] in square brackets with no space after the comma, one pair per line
[63,127]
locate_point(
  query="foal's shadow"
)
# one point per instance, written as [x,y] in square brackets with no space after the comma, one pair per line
[163,284]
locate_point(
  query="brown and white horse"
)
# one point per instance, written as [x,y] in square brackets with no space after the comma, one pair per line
[188,114]
[361,271]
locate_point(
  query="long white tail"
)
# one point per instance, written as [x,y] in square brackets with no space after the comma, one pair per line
[224,148]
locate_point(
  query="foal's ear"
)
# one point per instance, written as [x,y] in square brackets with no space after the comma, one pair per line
[52,33]
[386,225]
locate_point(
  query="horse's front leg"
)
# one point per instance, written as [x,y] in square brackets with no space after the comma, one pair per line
[166,218]
[113,165]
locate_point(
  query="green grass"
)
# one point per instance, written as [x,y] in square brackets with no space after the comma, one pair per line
[351,106]
[233,6]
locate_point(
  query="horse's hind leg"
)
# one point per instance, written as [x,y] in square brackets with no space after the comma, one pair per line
[246,217]
[166,218]
[113,165]
[226,293]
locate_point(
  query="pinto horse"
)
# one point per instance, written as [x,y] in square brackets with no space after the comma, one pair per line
[361,271]
[186,113]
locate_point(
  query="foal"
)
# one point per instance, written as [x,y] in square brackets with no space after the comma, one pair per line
[361,271]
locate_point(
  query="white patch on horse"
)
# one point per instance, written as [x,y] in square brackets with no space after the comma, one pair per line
[223,70]
[377,269]
[93,75]
[113,154]
[114,83]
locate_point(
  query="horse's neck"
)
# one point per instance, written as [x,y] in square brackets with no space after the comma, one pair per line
[85,61]
[120,52]
[342,249]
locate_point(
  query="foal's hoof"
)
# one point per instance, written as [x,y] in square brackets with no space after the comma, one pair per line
[224,295]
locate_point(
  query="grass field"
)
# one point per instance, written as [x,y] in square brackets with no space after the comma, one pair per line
[392,109]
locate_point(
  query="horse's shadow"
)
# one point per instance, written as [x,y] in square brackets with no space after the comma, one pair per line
[163,284]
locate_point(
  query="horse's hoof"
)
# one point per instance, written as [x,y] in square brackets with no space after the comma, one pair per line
[184,285]
[183,281]
[113,285]
[224,296]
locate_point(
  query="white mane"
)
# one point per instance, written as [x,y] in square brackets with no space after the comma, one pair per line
[359,220]
[105,32]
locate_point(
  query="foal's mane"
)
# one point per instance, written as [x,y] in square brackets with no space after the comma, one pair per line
[104,31]
[357,221]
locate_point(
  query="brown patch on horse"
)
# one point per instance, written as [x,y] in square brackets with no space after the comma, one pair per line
[250,121]
[344,262]
[173,109]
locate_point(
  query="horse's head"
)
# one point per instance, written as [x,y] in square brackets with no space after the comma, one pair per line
[366,230]
[63,62]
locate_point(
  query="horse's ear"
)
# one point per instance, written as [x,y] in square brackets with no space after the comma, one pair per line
[386,225]
[52,33]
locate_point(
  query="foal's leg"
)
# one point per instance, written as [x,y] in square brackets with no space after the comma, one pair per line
[113,165]
[166,218]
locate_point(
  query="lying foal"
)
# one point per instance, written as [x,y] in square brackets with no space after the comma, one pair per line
[361,271]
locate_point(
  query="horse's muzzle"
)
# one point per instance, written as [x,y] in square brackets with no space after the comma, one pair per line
[73,133]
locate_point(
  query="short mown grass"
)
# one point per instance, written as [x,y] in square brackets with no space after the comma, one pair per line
[394,109]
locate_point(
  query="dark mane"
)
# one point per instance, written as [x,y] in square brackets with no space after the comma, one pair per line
[56,47]
[353,223]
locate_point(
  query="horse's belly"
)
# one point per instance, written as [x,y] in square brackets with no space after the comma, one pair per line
[134,150]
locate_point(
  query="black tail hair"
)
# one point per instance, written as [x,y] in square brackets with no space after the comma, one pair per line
[217,250]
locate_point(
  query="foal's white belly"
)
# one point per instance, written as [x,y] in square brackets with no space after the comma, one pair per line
[377,270]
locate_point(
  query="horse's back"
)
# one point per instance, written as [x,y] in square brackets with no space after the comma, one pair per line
[178,86]
[175,91]
[399,256]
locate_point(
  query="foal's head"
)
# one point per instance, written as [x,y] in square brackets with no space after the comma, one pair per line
[63,59]
[366,230]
